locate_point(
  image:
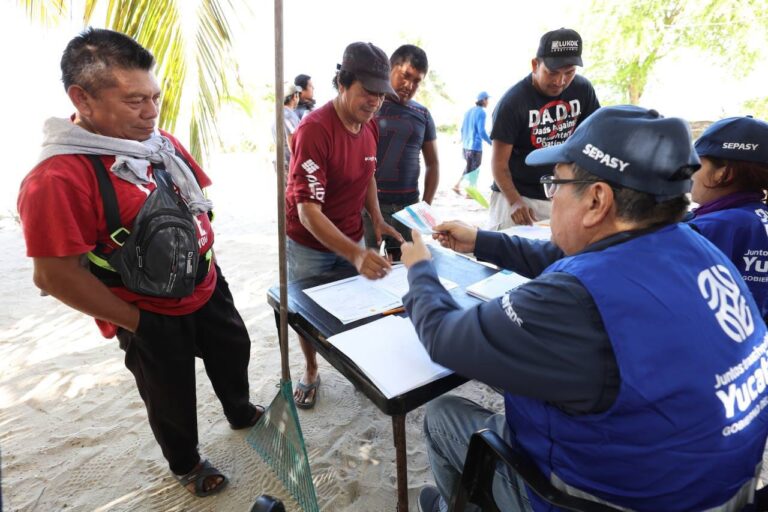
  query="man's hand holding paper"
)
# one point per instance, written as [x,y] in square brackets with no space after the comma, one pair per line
[456,235]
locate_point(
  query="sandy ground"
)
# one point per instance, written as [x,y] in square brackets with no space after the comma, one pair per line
[73,429]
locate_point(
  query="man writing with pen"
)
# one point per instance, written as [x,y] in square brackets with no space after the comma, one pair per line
[608,355]
[331,178]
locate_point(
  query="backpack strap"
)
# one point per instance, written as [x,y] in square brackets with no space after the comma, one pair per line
[98,260]
[211,215]
[117,232]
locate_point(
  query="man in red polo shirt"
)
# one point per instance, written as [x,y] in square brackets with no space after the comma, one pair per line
[331,179]
[108,77]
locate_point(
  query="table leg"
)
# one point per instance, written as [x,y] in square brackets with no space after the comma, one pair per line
[401,463]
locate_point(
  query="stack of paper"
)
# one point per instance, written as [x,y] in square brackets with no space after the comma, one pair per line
[389,352]
[357,297]
[496,285]
[418,216]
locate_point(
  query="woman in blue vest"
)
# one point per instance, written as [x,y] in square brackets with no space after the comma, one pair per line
[731,189]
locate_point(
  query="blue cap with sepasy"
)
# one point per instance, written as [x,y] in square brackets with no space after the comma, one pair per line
[631,147]
[735,138]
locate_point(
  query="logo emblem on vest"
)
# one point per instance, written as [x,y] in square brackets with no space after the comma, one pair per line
[723,296]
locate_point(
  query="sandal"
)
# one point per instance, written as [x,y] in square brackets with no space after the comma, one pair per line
[254,419]
[198,476]
[306,388]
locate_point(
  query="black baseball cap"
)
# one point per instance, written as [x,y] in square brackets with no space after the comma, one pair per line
[735,138]
[560,48]
[370,66]
[632,147]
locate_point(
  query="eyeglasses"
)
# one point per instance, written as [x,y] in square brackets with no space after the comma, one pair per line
[551,183]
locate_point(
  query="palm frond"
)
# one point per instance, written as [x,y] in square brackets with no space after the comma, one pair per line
[193,65]
[213,44]
[46,12]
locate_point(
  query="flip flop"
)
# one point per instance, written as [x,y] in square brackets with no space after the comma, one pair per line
[306,388]
[254,419]
[198,477]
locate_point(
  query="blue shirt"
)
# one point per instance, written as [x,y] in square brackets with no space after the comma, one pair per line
[567,361]
[291,122]
[403,130]
[473,129]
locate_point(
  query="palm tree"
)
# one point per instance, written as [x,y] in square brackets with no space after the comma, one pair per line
[191,41]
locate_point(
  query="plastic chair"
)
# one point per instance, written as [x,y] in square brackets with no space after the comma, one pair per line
[486,448]
[266,503]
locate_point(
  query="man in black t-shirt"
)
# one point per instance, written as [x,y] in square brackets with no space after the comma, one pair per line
[406,132]
[541,110]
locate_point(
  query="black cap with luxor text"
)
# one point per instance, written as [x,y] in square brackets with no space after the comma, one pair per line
[560,48]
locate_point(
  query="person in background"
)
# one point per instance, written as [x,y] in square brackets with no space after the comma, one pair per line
[541,110]
[109,80]
[307,98]
[290,120]
[330,180]
[406,131]
[634,360]
[730,189]
[472,136]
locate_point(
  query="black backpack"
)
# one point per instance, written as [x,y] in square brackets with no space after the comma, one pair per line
[160,256]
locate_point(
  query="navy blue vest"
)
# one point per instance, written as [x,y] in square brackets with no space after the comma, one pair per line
[687,429]
[741,233]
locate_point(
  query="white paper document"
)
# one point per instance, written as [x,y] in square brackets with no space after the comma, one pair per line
[389,352]
[539,231]
[419,216]
[357,297]
[496,285]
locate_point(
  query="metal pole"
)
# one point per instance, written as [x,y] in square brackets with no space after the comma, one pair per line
[280,166]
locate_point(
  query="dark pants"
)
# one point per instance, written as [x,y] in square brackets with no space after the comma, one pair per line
[392,245]
[473,158]
[163,365]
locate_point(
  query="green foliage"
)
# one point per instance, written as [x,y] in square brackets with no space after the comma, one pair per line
[269,95]
[46,12]
[193,56]
[448,129]
[432,90]
[626,39]
[757,107]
